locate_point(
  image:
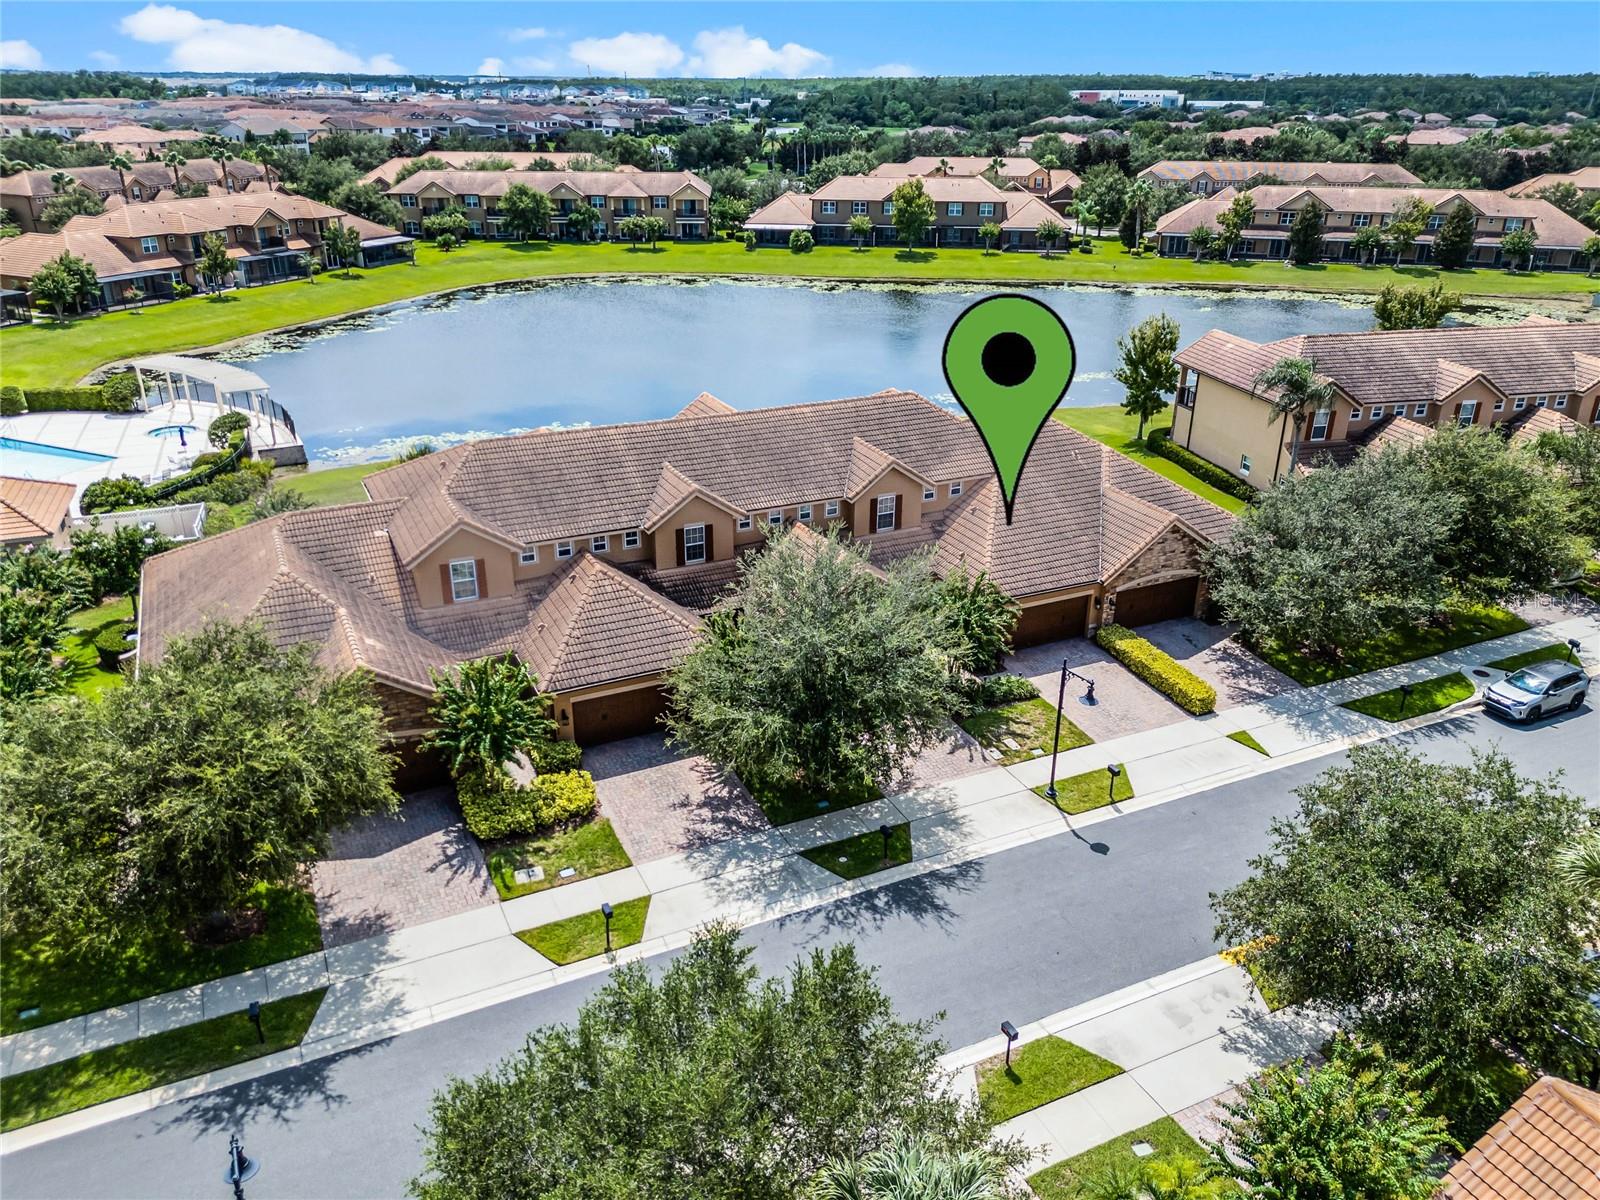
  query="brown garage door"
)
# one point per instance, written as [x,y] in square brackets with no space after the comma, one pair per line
[624,714]
[1047,622]
[1158,602]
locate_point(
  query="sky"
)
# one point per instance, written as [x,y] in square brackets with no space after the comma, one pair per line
[752,38]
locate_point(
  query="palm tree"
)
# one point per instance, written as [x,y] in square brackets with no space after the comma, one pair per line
[910,1167]
[121,164]
[173,162]
[61,181]
[944,166]
[1579,864]
[1300,390]
[1140,197]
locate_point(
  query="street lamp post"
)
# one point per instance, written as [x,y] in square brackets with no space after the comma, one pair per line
[605,911]
[1055,742]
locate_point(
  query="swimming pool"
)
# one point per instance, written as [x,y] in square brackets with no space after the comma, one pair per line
[36,460]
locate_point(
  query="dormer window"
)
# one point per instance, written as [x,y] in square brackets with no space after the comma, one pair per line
[149,245]
[563,549]
[630,540]
[694,544]
[463,580]
[529,556]
[600,544]
[744,524]
[883,513]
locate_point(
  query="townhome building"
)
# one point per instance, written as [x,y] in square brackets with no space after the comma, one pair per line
[1205,176]
[1056,185]
[1389,385]
[1585,179]
[1346,211]
[25,194]
[137,139]
[593,554]
[142,252]
[681,198]
[384,175]
[962,206]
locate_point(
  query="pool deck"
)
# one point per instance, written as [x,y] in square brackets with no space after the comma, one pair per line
[127,437]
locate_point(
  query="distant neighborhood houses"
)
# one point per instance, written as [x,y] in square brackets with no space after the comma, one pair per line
[681,198]
[1203,176]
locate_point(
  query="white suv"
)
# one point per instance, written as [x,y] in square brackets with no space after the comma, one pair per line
[1537,691]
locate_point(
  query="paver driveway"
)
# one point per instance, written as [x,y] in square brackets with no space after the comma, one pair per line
[662,803]
[1123,703]
[387,873]
[1214,654]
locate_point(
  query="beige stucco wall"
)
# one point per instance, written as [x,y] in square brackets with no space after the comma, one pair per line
[894,482]
[1227,423]
[614,552]
[695,512]
[498,567]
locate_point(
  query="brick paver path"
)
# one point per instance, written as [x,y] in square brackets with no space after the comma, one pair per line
[387,873]
[1123,703]
[953,756]
[663,803]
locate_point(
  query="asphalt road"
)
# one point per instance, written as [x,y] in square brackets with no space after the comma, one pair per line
[1016,935]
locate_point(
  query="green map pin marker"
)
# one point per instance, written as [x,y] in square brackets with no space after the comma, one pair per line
[1009,359]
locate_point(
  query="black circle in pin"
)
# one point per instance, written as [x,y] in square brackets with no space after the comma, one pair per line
[1008,359]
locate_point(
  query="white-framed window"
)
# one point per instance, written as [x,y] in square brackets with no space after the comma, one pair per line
[1244,464]
[1286,217]
[829,207]
[1513,224]
[986,208]
[408,201]
[1520,404]
[597,202]
[775,517]
[805,512]
[413,228]
[463,579]
[1561,400]
[471,201]
[476,227]
[1499,406]
[1361,220]
[1419,410]
[1540,401]
[630,540]
[955,490]
[1469,410]
[529,556]
[858,208]
[694,543]
[953,209]
[1319,424]
[930,492]
[883,513]
[659,201]
[744,523]
[888,208]
[831,509]
[149,245]
[1376,412]
[563,549]
[600,544]
[1434,223]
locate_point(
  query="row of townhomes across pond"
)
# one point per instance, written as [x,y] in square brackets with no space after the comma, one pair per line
[1055,184]
[142,252]
[1346,211]
[593,554]
[1390,386]
[25,194]
[681,198]
[1205,176]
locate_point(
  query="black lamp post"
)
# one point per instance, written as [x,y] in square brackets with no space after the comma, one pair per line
[1112,771]
[1010,1030]
[255,1019]
[241,1167]
[886,832]
[1055,742]
[605,911]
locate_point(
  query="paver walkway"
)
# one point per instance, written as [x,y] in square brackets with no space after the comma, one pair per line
[1123,703]
[661,802]
[413,976]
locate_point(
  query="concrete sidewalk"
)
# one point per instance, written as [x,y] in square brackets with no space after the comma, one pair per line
[1180,1038]
[399,980]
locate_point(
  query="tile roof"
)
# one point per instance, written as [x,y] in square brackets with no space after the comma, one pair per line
[636,184]
[705,405]
[1236,171]
[1383,366]
[1584,179]
[959,165]
[1545,1147]
[1399,431]
[33,509]
[790,210]
[1542,420]
[203,214]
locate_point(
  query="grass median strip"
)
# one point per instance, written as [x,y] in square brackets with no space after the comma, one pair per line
[591,849]
[853,857]
[1075,1178]
[1555,652]
[1091,790]
[153,1061]
[1245,738]
[583,936]
[1028,723]
[1401,703]
[1040,1071]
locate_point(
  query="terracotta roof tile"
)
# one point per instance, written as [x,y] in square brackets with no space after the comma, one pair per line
[33,509]
[1545,1147]
[705,405]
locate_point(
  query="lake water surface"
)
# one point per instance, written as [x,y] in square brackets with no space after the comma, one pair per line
[496,361]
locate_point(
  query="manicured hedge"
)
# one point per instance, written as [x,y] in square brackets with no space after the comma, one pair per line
[78,399]
[1159,441]
[1159,669]
[11,401]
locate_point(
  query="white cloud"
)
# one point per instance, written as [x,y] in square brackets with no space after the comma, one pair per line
[532,34]
[207,44]
[491,66]
[529,64]
[104,57]
[729,53]
[893,71]
[641,54]
[14,52]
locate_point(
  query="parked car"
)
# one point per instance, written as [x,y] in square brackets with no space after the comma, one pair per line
[1537,691]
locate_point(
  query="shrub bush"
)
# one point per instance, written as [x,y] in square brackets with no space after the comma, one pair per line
[123,491]
[121,392]
[11,401]
[111,644]
[801,242]
[1159,441]
[494,805]
[1007,689]
[1159,669]
[749,240]
[563,798]
[553,756]
[181,291]
[224,427]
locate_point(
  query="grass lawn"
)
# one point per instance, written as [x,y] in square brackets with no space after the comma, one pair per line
[336,485]
[1040,1071]
[1428,696]
[153,1061]
[584,935]
[48,353]
[1468,624]
[1092,789]
[1244,738]
[1029,723]
[86,676]
[786,801]
[1117,429]
[593,849]
[62,984]
[1070,1180]
[1555,652]
[853,857]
